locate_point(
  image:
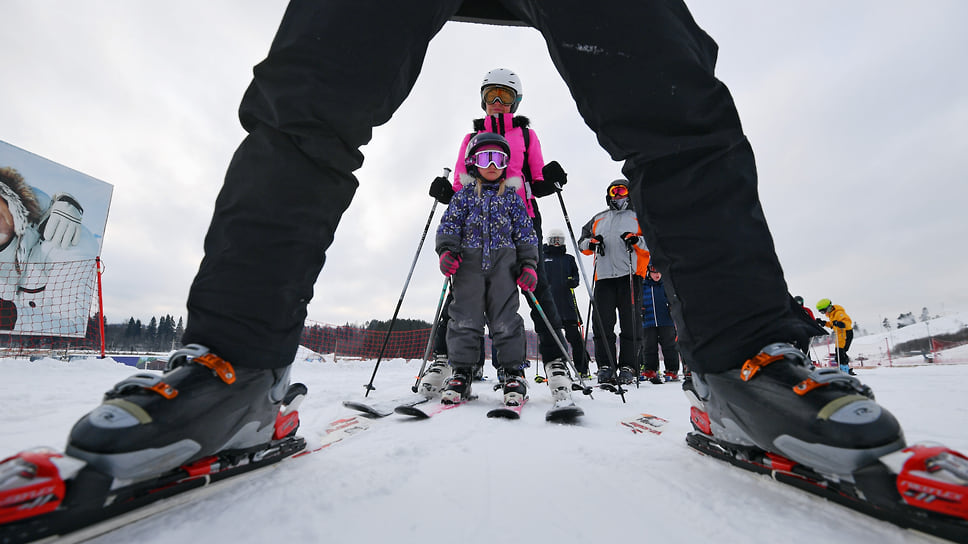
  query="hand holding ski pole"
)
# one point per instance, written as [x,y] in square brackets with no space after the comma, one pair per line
[630,239]
[528,279]
[449,263]
[441,188]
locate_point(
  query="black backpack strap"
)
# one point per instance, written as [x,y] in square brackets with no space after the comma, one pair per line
[526,168]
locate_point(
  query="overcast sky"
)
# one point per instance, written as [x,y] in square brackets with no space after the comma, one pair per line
[857,112]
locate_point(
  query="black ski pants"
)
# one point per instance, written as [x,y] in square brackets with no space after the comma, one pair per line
[652,338]
[842,357]
[612,296]
[642,75]
[579,354]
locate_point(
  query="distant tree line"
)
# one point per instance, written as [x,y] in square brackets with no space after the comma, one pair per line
[160,334]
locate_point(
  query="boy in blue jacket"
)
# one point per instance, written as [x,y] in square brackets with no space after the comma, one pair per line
[658,330]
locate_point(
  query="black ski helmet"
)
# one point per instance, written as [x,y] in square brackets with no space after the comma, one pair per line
[480,140]
[608,195]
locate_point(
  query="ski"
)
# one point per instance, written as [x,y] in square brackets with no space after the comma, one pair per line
[340,429]
[507,411]
[385,408]
[564,411]
[923,487]
[644,423]
[47,494]
[430,410]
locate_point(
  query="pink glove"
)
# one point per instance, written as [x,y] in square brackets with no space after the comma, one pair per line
[528,279]
[449,263]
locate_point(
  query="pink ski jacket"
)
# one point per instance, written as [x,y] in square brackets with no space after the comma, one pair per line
[512,128]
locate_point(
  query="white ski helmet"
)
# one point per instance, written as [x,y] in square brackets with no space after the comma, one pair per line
[556,237]
[504,78]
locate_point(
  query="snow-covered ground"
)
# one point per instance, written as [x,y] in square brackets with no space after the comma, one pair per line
[461,477]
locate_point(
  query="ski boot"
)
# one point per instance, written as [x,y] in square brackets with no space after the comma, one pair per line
[626,375]
[458,388]
[202,405]
[671,376]
[559,380]
[434,377]
[651,376]
[776,402]
[515,387]
[606,375]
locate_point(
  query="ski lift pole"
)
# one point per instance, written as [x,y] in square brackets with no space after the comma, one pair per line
[433,333]
[369,387]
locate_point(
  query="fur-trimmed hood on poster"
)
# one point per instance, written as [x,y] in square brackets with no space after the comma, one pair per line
[52,222]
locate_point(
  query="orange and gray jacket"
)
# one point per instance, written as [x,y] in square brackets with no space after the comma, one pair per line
[610,225]
[837,313]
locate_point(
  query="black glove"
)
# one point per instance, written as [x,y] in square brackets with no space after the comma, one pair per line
[553,173]
[839,324]
[597,243]
[442,190]
[630,239]
[821,322]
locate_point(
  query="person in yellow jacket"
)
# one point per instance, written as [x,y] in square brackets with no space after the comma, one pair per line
[843,327]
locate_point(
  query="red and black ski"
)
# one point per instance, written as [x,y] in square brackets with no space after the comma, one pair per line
[923,487]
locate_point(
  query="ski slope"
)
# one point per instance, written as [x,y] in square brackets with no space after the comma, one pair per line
[461,477]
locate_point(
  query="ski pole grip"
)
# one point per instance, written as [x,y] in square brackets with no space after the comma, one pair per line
[447,173]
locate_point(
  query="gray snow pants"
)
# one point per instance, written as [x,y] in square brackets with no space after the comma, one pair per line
[491,294]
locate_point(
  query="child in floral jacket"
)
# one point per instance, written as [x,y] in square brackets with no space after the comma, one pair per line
[487,244]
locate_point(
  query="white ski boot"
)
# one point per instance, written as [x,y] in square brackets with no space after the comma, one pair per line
[434,377]
[559,380]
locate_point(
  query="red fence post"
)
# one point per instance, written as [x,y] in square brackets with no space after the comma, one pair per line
[100,302]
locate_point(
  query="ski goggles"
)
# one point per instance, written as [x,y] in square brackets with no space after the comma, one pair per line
[483,159]
[499,94]
[618,191]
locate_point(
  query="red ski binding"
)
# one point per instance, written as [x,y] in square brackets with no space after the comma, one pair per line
[934,478]
[31,483]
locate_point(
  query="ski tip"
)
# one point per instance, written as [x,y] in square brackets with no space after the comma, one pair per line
[503,413]
[564,415]
[411,411]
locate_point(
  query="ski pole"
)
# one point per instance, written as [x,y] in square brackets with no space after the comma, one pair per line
[433,333]
[635,333]
[588,287]
[544,317]
[369,387]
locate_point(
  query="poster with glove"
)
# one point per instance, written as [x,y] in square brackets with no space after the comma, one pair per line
[52,222]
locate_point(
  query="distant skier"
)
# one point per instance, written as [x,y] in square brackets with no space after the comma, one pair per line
[843,327]
[614,238]
[563,276]
[658,330]
[487,244]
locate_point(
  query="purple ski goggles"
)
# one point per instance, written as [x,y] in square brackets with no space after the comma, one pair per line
[483,159]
